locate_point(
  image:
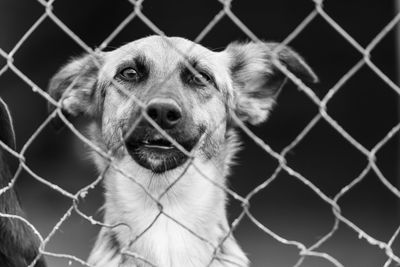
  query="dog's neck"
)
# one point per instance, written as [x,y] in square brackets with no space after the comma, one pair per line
[177,228]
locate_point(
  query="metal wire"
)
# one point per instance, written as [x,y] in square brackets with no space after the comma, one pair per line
[283,167]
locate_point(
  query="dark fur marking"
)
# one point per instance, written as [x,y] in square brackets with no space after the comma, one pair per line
[203,92]
[210,148]
[187,73]
[239,64]
[113,243]
[140,63]
[100,95]
[272,82]
[221,240]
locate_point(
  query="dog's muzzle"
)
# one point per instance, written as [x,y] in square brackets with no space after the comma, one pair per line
[151,149]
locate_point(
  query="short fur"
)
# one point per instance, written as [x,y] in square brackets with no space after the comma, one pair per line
[241,79]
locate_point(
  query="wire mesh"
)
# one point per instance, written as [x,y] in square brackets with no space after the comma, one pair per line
[304,251]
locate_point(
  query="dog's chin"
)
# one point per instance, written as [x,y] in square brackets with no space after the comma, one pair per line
[159,155]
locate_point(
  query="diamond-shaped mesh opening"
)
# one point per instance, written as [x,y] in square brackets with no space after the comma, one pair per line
[312,215]
[105,18]
[293,112]
[46,49]
[260,16]
[33,193]
[71,230]
[311,159]
[376,213]
[245,179]
[173,22]
[264,246]
[344,15]
[131,31]
[216,36]
[24,124]
[353,249]
[360,109]
[330,48]
[12,14]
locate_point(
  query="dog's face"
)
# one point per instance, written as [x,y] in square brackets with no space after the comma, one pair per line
[172,84]
[186,105]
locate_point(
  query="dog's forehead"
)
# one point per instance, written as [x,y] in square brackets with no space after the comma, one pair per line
[169,50]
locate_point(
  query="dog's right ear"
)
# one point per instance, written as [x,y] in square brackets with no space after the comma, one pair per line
[7,134]
[75,84]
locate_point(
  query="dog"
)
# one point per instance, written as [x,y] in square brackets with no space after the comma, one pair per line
[138,95]
[19,246]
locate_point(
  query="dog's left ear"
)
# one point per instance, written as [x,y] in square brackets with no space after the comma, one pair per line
[257,81]
[7,134]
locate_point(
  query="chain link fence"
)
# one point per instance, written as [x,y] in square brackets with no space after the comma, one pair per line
[280,157]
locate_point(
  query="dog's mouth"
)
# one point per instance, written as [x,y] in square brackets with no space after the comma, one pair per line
[157,153]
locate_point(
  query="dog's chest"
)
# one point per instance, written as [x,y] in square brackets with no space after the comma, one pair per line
[166,243]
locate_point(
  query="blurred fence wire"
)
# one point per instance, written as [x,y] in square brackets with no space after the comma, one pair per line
[323,114]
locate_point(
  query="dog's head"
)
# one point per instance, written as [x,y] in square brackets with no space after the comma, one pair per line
[187,90]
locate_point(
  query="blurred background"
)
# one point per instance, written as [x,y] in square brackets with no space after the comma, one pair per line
[365,106]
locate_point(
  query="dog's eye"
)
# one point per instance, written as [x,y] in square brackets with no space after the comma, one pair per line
[201,79]
[129,74]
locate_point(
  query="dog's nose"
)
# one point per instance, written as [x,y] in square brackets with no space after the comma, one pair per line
[165,112]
